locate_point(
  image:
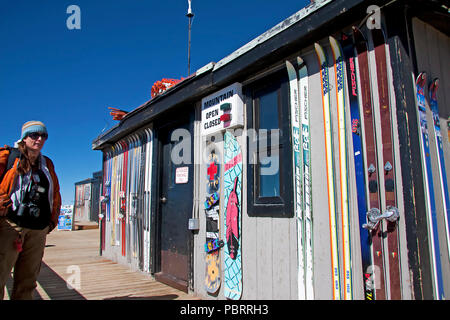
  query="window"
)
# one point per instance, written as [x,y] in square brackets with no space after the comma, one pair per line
[269,152]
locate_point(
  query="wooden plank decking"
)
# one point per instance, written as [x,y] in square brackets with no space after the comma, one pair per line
[72,253]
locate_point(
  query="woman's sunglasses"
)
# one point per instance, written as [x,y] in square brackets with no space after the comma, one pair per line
[36,135]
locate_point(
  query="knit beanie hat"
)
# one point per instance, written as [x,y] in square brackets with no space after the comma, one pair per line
[33,126]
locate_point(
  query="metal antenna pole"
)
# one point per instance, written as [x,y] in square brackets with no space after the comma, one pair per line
[190,15]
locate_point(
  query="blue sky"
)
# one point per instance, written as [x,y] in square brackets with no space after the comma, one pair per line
[69,78]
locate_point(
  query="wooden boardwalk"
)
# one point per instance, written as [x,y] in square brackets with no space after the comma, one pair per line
[72,258]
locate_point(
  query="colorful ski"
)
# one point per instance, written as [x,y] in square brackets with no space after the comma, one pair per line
[131,146]
[297,177]
[374,275]
[114,184]
[134,196]
[108,184]
[390,211]
[438,284]
[105,201]
[354,93]
[343,166]
[306,171]
[141,198]
[441,160]
[212,212]
[324,79]
[232,180]
[120,174]
[147,200]
[123,199]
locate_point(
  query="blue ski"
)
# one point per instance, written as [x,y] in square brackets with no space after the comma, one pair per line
[438,284]
[441,160]
[353,92]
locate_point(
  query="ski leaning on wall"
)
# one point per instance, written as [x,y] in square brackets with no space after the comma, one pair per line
[123,197]
[343,166]
[131,171]
[306,171]
[126,198]
[298,87]
[375,274]
[141,202]
[441,159]
[438,284]
[115,194]
[147,199]
[390,211]
[232,189]
[325,86]
[354,95]
[105,200]
[297,177]
[135,197]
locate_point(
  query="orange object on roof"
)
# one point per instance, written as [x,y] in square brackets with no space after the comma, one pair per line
[162,85]
[117,113]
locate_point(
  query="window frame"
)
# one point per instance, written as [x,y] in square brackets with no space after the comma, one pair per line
[281,206]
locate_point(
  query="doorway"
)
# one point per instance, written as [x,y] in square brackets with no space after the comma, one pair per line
[174,201]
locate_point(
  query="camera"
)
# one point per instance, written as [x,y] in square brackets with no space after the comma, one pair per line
[31,203]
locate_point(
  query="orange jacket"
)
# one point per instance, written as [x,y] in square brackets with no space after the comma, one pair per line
[7,183]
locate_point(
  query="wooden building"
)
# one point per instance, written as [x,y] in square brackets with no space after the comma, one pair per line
[159,225]
[87,198]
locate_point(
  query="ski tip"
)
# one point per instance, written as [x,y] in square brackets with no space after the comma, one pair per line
[344,37]
[421,78]
[335,46]
[332,40]
[358,36]
[319,50]
[289,65]
[378,36]
[355,29]
[433,88]
[300,61]
[435,83]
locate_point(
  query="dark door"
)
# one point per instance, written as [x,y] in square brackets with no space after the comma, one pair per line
[175,204]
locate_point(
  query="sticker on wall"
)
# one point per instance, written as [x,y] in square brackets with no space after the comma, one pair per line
[223,109]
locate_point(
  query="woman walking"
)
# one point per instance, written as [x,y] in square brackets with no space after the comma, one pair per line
[29,208]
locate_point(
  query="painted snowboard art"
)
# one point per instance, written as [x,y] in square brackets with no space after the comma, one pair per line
[212,211]
[232,180]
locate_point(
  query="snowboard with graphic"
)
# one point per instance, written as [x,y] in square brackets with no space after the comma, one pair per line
[212,218]
[232,189]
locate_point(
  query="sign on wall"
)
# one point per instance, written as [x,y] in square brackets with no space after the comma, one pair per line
[222,110]
[182,175]
[65,218]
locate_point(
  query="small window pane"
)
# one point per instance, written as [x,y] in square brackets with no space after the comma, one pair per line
[268,111]
[269,183]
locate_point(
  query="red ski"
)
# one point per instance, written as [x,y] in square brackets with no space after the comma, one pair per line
[376,275]
[390,209]
[123,199]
